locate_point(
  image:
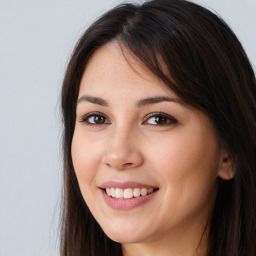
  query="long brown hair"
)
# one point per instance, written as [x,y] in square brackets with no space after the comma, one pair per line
[209,71]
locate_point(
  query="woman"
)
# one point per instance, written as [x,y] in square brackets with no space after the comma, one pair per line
[159,117]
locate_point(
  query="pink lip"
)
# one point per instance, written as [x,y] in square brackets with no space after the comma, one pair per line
[126,204]
[123,185]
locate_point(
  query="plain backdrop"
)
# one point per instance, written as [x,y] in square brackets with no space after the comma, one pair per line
[36,39]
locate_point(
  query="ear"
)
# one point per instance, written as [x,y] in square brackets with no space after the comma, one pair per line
[226,169]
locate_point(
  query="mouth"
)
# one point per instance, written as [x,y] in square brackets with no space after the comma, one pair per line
[128,193]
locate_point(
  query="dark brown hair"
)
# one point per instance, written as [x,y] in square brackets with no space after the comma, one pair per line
[210,71]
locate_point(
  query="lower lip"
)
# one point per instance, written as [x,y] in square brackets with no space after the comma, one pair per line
[125,204]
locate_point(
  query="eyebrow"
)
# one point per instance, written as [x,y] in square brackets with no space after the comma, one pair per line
[157,99]
[95,100]
[140,103]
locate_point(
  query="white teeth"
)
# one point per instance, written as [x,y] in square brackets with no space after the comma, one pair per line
[150,191]
[143,191]
[108,190]
[113,192]
[136,192]
[128,193]
[119,193]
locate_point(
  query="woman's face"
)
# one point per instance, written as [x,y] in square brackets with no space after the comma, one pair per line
[134,139]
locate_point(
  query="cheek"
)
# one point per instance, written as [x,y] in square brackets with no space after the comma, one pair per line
[187,166]
[86,158]
[187,160]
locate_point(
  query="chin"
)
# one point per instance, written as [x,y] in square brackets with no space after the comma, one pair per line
[125,238]
[125,235]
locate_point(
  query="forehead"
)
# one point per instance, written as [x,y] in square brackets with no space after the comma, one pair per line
[115,69]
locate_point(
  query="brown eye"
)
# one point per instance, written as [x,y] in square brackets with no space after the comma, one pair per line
[94,119]
[160,119]
[97,119]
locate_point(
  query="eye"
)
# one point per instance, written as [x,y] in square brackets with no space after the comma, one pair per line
[94,119]
[160,119]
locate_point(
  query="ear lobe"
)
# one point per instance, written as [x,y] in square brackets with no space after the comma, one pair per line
[226,167]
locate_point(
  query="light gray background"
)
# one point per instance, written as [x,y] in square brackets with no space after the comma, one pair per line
[36,39]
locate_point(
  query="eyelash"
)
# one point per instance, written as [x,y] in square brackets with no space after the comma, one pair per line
[85,118]
[168,119]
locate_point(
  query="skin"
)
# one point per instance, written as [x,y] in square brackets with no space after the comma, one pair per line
[182,158]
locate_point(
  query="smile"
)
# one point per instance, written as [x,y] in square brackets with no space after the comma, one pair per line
[128,193]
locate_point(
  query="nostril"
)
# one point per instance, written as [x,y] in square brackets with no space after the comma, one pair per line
[127,164]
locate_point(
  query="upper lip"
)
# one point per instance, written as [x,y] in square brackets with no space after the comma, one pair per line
[124,185]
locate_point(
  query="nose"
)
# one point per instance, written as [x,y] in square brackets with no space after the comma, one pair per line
[122,151]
